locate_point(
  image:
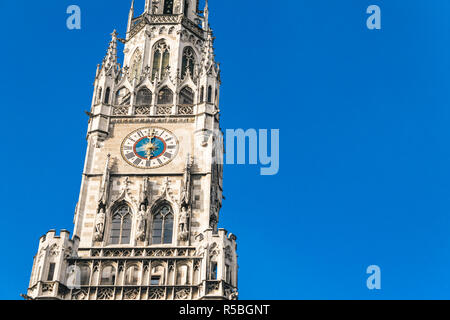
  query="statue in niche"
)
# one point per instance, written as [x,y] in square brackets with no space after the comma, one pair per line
[184,224]
[184,220]
[141,223]
[100,224]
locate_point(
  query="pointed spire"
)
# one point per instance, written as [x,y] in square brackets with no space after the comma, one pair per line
[206,16]
[130,16]
[111,55]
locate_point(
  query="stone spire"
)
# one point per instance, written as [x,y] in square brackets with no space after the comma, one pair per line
[130,17]
[110,59]
[206,16]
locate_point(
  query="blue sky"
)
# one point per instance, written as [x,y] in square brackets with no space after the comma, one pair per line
[364,139]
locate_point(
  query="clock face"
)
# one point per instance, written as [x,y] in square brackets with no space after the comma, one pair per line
[149,148]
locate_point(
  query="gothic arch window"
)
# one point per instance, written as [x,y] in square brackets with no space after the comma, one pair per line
[162,226]
[209,94]
[143,97]
[99,95]
[188,62]
[213,270]
[202,94]
[121,226]
[186,96]
[186,8]
[132,276]
[165,96]
[168,7]
[123,97]
[161,59]
[136,66]
[107,94]
[85,275]
[182,275]
[157,277]
[108,276]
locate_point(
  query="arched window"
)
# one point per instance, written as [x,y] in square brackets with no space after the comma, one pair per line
[157,278]
[182,275]
[186,96]
[132,276]
[121,226]
[165,96]
[99,95]
[186,8]
[162,226]
[202,94]
[108,276]
[123,97]
[210,94]
[85,275]
[136,66]
[107,94]
[188,62]
[168,7]
[144,97]
[161,57]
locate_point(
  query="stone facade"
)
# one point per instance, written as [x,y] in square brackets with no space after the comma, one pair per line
[147,215]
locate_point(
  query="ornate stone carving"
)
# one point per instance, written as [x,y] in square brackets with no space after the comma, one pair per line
[100,225]
[131,294]
[141,223]
[79,294]
[105,294]
[156,294]
[182,294]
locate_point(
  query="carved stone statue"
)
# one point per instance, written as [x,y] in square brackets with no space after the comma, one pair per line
[141,223]
[184,220]
[100,225]
[184,224]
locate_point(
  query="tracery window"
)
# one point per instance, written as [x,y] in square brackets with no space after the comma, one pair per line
[186,96]
[165,96]
[162,226]
[161,60]
[144,97]
[121,226]
[136,66]
[188,62]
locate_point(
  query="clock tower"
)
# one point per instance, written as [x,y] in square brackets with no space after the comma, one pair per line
[151,191]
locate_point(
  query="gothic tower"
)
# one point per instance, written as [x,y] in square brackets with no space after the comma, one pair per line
[151,191]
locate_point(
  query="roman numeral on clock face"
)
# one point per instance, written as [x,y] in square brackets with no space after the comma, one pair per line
[130,155]
[161,149]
